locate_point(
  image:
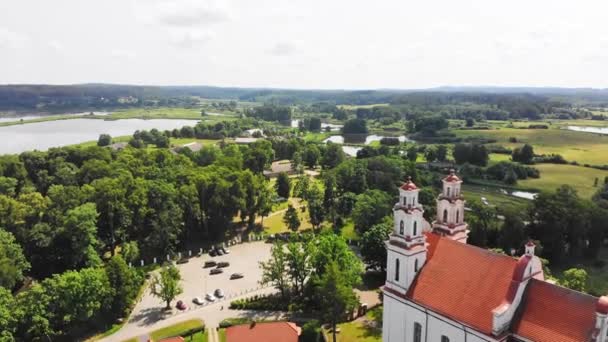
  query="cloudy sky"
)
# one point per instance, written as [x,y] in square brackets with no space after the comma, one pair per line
[350,44]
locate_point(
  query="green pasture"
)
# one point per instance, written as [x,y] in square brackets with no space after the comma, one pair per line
[552,176]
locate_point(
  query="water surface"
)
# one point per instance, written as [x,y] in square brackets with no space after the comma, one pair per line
[43,135]
[599,130]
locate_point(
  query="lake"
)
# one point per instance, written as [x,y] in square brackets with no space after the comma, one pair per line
[334,128]
[38,116]
[43,135]
[599,130]
[339,139]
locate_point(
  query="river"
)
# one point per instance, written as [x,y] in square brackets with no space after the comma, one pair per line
[43,135]
[599,130]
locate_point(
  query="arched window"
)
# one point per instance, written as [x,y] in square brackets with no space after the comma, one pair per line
[417,332]
[457,216]
[401,226]
[448,192]
[396,269]
[416,266]
[445,215]
[404,200]
[444,338]
[415,228]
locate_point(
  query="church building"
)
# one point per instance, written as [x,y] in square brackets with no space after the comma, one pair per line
[440,289]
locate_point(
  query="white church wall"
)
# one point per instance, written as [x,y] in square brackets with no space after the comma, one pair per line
[439,327]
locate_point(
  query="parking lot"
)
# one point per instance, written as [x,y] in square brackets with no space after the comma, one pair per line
[196,280]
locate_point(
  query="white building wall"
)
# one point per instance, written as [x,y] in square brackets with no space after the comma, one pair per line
[438,328]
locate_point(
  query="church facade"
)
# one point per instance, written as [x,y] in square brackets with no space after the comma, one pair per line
[440,289]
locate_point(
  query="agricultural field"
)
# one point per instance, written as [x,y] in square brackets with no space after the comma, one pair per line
[157,113]
[493,195]
[553,176]
[585,148]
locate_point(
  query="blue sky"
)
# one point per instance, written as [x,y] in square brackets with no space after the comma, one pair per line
[348,44]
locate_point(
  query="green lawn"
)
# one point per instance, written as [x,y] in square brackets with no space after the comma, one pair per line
[183,141]
[157,113]
[348,231]
[221,333]
[275,224]
[493,194]
[178,329]
[360,330]
[585,148]
[553,176]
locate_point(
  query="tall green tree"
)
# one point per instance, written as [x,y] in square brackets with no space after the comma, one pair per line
[125,281]
[166,284]
[104,140]
[329,247]
[10,315]
[371,208]
[13,264]
[575,279]
[257,198]
[283,185]
[372,244]
[336,296]
[291,218]
[274,271]
[333,156]
[80,230]
[299,268]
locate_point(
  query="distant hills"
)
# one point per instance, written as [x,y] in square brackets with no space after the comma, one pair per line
[92,96]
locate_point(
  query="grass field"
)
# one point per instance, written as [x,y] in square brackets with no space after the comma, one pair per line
[47,118]
[360,330]
[553,176]
[160,113]
[494,196]
[178,329]
[585,148]
[275,224]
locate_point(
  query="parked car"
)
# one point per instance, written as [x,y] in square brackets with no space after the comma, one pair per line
[225,250]
[209,264]
[219,252]
[219,293]
[181,305]
[236,276]
[216,271]
[183,260]
[198,300]
[223,264]
[210,297]
[212,253]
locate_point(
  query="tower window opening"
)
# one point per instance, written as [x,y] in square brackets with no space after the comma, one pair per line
[458,216]
[416,266]
[448,192]
[417,332]
[396,269]
[401,227]
[445,215]
[415,228]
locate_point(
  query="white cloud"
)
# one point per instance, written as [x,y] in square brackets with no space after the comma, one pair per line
[11,39]
[191,38]
[283,49]
[120,53]
[187,13]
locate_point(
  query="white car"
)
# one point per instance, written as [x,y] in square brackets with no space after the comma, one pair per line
[198,301]
[210,297]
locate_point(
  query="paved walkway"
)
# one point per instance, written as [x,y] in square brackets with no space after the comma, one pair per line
[211,315]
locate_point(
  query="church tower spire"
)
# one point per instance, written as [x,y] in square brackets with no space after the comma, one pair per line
[450,210]
[406,247]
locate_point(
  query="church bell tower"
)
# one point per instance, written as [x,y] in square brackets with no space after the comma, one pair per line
[450,210]
[406,247]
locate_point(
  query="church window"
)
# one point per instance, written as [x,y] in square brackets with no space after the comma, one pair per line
[404,200]
[457,216]
[416,266]
[448,192]
[444,338]
[396,269]
[401,226]
[415,228]
[417,332]
[445,215]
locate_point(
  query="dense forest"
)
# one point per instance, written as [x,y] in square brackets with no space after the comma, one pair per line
[524,102]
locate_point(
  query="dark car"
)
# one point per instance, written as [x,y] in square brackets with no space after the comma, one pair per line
[216,271]
[183,260]
[209,264]
[181,305]
[219,252]
[223,264]
[236,276]
[212,253]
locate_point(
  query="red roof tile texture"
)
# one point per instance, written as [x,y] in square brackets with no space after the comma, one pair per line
[267,332]
[552,313]
[462,282]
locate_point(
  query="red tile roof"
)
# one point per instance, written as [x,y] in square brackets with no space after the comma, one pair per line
[462,282]
[267,332]
[552,313]
[409,186]
[172,339]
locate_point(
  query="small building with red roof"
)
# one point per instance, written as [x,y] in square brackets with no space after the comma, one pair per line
[267,332]
[440,289]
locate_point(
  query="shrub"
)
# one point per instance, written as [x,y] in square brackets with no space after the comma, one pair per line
[311,331]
